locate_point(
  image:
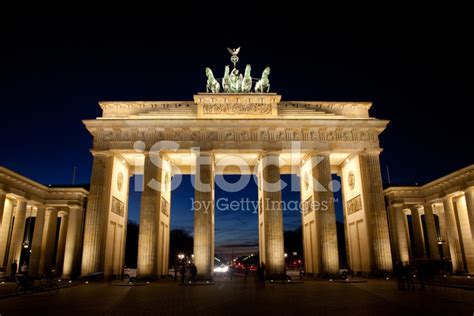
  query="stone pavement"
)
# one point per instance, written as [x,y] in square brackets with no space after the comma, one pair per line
[239,297]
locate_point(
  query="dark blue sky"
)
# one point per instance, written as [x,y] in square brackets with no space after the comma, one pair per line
[56,70]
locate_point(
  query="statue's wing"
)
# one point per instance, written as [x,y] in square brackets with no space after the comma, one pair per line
[237,50]
[230,50]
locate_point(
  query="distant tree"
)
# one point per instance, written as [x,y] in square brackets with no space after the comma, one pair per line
[294,241]
[341,244]
[131,247]
[180,242]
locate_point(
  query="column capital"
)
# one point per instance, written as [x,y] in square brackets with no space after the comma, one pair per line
[428,203]
[101,153]
[415,207]
[469,189]
[155,153]
[50,208]
[371,151]
[323,152]
[75,205]
[19,200]
[448,197]
[270,153]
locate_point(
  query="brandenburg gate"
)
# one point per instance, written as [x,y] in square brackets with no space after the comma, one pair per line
[231,129]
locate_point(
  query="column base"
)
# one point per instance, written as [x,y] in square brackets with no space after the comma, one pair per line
[204,278]
[276,277]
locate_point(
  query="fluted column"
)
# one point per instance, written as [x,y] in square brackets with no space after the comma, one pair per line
[204,215]
[469,196]
[61,243]
[376,214]
[431,231]
[453,235]
[49,240]
[5,231]
[442,230]
[467,245]
[3,197]
[418,233]
[17,234]
[97,213]
[147,236]
[72,252]
[37,240]
[326,214]
[273,215]
[401,234]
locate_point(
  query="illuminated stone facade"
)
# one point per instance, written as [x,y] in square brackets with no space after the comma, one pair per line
[269,136]
[441,215]
[36,220]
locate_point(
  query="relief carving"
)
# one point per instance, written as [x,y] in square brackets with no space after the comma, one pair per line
[354,205]
[118,207]
[237,108]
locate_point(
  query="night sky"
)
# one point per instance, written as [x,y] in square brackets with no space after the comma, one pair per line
[55,71]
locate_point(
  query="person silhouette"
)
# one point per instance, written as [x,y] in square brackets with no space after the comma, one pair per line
[182,271]
[193,271]
[14,268]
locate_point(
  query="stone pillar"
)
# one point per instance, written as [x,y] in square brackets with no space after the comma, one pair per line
[147,236]
[48,242]
[326,218]
[401,234]
[5,230]
[469,196]
[204,215]
[37,240]
[3,197]
[72,252]
[375,212]
[467,245]
[61,243]
[442,230]
[17,234]
[97,214]
[453,235]
[272,215]
[417,233]
[431,232]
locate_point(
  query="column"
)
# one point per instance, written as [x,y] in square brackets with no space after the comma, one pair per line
[442,230]
[147,236]
[469,196]
[5,230]
[95,226]
[3,197]
[37,240]
[272,215]
[453,235]
[401,234]
[325,216]
[417,233]
[467,246]
[375,212]
[17,234]
[49,241]
[72,252]
[61,243]
[431,231]
[204,215]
